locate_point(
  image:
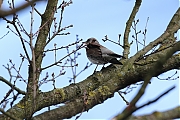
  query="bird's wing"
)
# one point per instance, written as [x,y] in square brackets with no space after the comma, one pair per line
[107,52]
[93,46]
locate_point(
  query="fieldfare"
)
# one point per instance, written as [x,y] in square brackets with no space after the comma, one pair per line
[99,54]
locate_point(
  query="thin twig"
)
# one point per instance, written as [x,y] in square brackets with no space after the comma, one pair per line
[62,58]
[135,32]
[55,51]
[145,31]
[62,6]
[51,65]
[43,25]
[4,35]
[38,12]
[127,103]
[107,39]
[20,36]
[170,78]
[63,46]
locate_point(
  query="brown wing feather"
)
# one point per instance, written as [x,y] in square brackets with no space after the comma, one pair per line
[116,55]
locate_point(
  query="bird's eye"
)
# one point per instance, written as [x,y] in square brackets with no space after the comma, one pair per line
[87,40]
[93,40]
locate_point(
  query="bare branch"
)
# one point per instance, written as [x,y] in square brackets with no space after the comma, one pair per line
[64,46]
[12,86]
[156,42]
[4,35]
[9,115]
[127,103]
[38,12]
[59,61]
[166,115]
[107,39]
[14,10]
[132,107]
[175,25]
[93,85]
[156,99]
[148,103]
[18,34]
[145,31]
[96,88]
[33,63]
[62,6]
[126,44]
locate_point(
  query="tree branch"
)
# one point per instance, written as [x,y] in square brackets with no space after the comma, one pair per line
[169,31]
[156,99]
[98,86]
[18,34]
[40,44]
[164,57]
[59,61]
[13,11]
[12,86]
[128,27]
[132,109]
[101,83]
[95,84]
[166,115]
[8,115]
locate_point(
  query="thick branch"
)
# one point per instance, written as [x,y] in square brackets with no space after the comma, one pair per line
[8,115]
[26,107]
[171,39]
[164,57]
[98,86]
[104,80]
[47,19]
[95,84]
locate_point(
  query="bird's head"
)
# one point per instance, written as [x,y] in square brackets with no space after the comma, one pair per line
[91,42]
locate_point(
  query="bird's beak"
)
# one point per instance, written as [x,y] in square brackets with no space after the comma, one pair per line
[84,44]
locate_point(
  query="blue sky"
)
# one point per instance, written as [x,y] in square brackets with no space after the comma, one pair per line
[92,18]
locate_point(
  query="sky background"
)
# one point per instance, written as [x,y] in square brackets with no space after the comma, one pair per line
[92,18]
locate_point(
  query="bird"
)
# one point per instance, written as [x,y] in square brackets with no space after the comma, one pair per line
[100,55]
